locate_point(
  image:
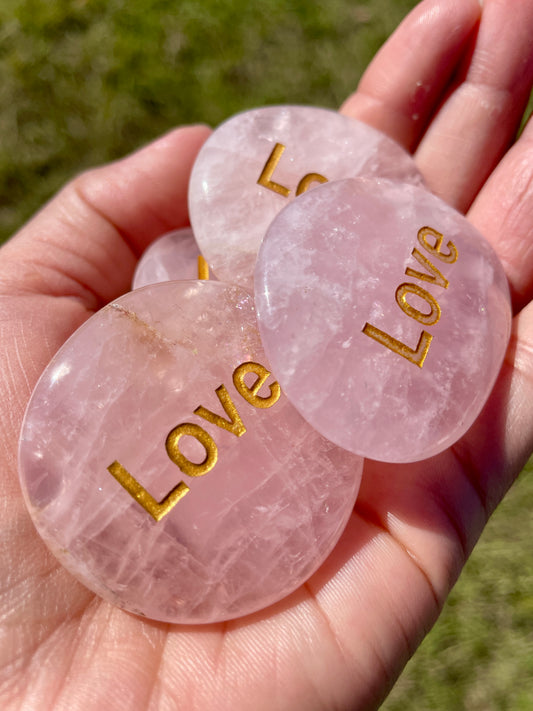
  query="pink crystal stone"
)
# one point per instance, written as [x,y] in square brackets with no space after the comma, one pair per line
[258,161]
[384,314]
[170,511]
[173,256]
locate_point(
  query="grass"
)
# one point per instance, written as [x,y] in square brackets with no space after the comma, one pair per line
[86,81]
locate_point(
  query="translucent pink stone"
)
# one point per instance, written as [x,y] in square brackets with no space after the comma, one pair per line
[249,531]
[172,256]
[329,281]
[230,211]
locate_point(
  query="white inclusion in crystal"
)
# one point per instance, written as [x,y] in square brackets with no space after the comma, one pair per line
[60,372]
[266,292]
[347,343]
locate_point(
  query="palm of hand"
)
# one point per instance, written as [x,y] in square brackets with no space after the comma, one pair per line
[339,641]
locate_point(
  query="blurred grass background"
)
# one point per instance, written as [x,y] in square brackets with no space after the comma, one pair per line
[86,81]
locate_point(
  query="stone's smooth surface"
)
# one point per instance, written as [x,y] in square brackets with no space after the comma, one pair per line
[248,532]
[334,261]
[230,211]
[173,256]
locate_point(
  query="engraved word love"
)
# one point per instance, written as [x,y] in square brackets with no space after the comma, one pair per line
[234,424]
[432,275]
[265,179]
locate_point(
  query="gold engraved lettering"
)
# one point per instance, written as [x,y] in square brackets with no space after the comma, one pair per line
[308,180]
[156,509]
[186,466]
[203,268]
[450,257]
[433,276]
[401,298]
[234,424]
[250,393]
[416,356]
[270,166]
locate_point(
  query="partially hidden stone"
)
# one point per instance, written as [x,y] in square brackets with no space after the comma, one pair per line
[258,161]
[384,314]
[163,467]
[173,256]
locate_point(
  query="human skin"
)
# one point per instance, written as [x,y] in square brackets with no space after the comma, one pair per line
[450,85]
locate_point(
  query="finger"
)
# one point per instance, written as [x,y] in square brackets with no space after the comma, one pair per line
[500,442]
[86,241]
[477,122]
[399,90]
[503,212]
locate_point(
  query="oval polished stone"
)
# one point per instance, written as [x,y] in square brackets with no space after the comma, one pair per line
[173,256]
[249,498]
[257,161]
[384,314]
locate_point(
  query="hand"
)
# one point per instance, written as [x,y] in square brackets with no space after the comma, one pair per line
[453,96]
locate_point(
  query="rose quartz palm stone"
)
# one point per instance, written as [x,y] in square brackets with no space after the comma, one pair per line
[164,468]
[173,256]
[259,160]
[384,314]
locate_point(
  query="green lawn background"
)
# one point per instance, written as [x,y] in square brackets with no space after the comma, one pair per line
[86,81]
